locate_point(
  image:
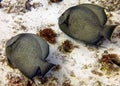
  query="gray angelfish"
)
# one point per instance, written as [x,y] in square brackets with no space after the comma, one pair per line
[85,23]
[27,52]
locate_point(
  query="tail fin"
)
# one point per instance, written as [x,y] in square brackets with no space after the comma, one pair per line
[42,70]
[108,30]
[45,67]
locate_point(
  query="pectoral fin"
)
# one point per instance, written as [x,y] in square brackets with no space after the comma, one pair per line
[64,17]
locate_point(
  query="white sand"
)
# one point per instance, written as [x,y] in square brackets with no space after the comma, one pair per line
[81,61]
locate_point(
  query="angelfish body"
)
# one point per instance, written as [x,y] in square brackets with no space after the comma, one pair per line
[28,52]
[85,22]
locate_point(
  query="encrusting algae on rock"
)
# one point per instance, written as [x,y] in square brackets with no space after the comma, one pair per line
[86,22]
[48,34]
[67,46]
[110,63]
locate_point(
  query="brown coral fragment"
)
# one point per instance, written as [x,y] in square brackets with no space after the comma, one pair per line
[97,73]
[49,81]
[29,83]
[48,34]
[110,5]
[72,74]
[67,83]
[56,1]
[110,63]
[108,58]
[15,80]
[17,7]
[56,68]
[116,35]
[67,46]
[1,5]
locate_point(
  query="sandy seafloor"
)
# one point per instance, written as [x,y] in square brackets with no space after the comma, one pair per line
[76,68]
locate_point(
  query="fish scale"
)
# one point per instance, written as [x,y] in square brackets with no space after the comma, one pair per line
[99,11]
